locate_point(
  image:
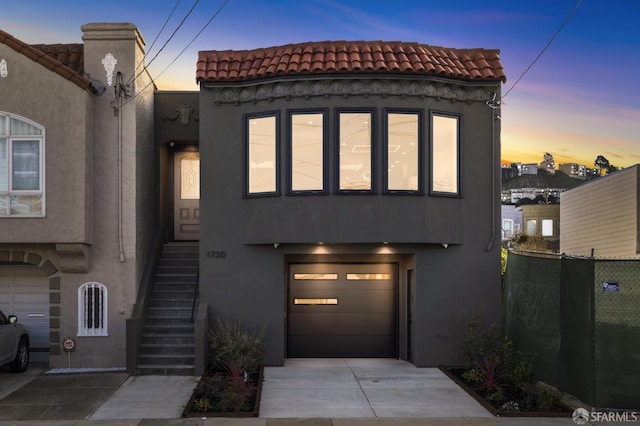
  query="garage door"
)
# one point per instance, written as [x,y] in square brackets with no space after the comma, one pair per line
[342,310]
[24,292]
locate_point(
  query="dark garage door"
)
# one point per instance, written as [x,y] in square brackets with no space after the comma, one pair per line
[342,310]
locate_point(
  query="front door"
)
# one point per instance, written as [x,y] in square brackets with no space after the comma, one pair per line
[186,199]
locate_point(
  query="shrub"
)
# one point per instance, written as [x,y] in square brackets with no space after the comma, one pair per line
[230,342]
[501,374]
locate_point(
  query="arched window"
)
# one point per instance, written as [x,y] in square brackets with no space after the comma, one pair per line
[92,309]
[21,167]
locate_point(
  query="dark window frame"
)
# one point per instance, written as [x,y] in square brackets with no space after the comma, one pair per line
[245,124]
[325,151]
[374,147]
[458,193]
[385,151]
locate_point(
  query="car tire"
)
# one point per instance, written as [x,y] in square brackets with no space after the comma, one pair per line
[21,361]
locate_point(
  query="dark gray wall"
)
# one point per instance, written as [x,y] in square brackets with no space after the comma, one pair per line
[244,276]
[171,134]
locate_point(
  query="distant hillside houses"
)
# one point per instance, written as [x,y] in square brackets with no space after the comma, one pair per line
[523,183]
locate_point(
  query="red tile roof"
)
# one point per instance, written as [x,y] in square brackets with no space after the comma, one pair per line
[340,57]
[66,64]
[71,55]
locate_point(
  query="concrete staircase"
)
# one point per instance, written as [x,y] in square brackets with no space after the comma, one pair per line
[168,342]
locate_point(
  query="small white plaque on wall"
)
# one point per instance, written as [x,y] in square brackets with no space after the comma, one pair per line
[4,72]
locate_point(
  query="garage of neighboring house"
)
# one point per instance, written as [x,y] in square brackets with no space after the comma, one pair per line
[24,292]
[342,310]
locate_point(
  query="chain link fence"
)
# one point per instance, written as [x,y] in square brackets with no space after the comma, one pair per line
[580,320]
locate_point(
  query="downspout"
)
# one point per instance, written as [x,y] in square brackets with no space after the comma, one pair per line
[120,93]
[494,105]
[120,231]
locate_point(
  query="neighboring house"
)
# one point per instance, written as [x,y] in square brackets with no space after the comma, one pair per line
[514,195]
[529,169]
[574,170]
[600,217]
[350,195]
[543,221]
[76,201]
[511,221]
[548,166]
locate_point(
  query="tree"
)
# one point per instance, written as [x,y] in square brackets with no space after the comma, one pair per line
[548,158]
[604,165]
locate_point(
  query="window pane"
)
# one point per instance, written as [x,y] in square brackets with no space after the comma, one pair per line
[190,178]
[355,151]
[3,205]
[402,141]
[4,166]
[262,154]
[3,125]
[19,127]
[547,227]
[444,167]
[25,174]
[307,152]
[328,301]
[26,205]
[368,276]
[310,276]
[532,227]
[507,228]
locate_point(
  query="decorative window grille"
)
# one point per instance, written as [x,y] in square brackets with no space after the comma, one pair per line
[92,309]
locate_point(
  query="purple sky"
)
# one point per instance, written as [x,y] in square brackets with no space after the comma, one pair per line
[581,99]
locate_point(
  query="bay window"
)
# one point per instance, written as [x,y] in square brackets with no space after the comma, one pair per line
[444,154]
[402,152]
[307,152]
[262,154]
[355,159]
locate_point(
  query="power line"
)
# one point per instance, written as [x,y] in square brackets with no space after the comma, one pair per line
[567,19]
[181,52]
[169,39]
[141,63]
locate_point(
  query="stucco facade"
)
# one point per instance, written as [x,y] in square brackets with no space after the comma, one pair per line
[444,249]
[95,177]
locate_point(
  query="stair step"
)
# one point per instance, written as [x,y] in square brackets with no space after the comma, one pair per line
[166,370]
[167,339]
[161,328]
[167,345]
[171,349]
[161,277]
[171,302]
[180,255]
[166,359]
[168,311]
[177,270]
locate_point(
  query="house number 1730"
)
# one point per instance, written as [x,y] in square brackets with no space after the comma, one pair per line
[216,254]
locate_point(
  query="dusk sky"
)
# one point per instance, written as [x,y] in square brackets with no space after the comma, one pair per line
[579,100]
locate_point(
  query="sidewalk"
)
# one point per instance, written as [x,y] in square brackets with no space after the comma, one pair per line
[327,392]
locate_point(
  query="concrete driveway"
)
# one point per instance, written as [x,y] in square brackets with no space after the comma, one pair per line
[362,388]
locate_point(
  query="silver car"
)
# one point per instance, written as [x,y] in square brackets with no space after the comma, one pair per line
[14,344]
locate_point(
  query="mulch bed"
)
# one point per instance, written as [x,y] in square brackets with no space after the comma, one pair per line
[254,386]
[455,374]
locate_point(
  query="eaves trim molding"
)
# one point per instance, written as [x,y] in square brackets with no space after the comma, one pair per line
[351,87]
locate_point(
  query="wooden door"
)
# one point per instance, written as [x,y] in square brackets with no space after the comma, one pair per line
[186,199]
